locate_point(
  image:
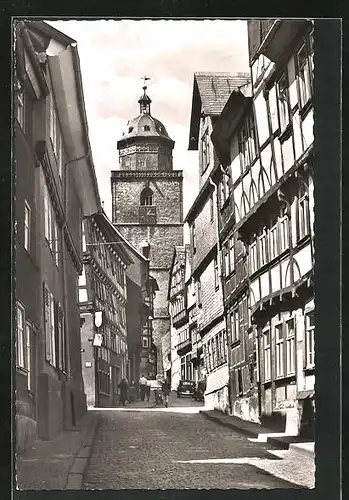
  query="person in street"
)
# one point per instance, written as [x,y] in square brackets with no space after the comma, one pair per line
[123,386]
[132,392]
[147,390]
[143,384]
[166,391]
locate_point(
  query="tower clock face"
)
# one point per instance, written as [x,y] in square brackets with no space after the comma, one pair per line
[147,214]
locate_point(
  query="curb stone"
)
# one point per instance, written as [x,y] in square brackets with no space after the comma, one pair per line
[231,425]
[76,474]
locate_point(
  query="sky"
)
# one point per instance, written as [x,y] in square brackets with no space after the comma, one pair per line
[115,54]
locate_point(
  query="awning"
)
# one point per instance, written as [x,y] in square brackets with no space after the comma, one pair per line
[306,394]
[217,380]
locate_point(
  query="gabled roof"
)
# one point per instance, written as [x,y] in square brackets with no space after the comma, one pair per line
[210,94]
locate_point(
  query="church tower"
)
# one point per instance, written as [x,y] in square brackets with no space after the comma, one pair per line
[147,207]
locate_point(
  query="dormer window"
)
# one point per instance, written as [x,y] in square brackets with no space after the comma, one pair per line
[146,197]
[130,129]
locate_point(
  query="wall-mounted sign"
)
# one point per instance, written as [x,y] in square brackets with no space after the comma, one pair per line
[97,340]
[98,318]
[88,364]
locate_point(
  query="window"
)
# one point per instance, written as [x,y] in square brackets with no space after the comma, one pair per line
[141,163]
[253,258]
[243,149]
[216,276]
[290,347]
[199,298]
[226,260]
[147,197]
[211,208]
[27,216]
[51,228]
[263,259]
[273,245]
[28,357]
[279,342]
[304,74]
[303,216]
[20,104]
[310,340]
[284,233]
[193,237]
[146,128]
[231,255]
[145,342]
[235,326]
[61,339]
[50,331]
[55,133]
[20,341]
[205,151]
[267,354]
[282,94]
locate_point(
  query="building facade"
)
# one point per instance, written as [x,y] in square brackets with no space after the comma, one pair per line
[210,94]
[103,305]
[264,142]
[147,205]
[55,187]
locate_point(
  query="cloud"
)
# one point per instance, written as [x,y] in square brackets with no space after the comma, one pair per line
[115,54]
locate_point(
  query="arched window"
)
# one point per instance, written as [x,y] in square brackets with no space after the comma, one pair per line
[147,197]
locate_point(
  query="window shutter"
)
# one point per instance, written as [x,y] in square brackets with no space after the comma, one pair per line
[47,323]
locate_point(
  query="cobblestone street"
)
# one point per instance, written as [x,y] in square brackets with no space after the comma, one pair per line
[174,448]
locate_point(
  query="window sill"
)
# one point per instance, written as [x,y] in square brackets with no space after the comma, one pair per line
[21,370]
[301,242]
[309,370]
[304,110]
[286,134]
[235,343]
[281,379]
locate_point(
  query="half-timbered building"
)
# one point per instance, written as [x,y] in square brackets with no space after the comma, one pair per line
[103,305]
[274,207]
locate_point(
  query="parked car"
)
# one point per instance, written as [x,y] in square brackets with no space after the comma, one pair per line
[199,391]
[185,388]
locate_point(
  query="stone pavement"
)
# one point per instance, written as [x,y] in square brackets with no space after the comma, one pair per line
[260,433]
[58,464]
[160,449]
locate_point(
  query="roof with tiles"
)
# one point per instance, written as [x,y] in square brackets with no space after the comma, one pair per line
[210,94]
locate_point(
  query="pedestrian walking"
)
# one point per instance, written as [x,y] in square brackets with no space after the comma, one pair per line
[143,384]
[147,390]
[132,392]
[123,386]
[166,389]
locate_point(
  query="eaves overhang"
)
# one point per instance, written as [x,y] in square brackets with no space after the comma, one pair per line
[66,79]
[227,124]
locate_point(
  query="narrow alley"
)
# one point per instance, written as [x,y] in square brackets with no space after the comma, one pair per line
[175,448]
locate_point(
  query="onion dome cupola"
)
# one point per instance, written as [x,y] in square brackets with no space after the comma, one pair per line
[145,143]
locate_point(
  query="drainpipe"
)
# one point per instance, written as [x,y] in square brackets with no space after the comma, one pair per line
[64,254]
[221,283]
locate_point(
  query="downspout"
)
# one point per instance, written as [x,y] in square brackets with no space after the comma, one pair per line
[64,254]
[221,284]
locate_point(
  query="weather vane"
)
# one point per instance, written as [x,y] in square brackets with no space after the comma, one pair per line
[145,78]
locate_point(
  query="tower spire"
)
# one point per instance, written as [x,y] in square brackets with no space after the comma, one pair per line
[144,100]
